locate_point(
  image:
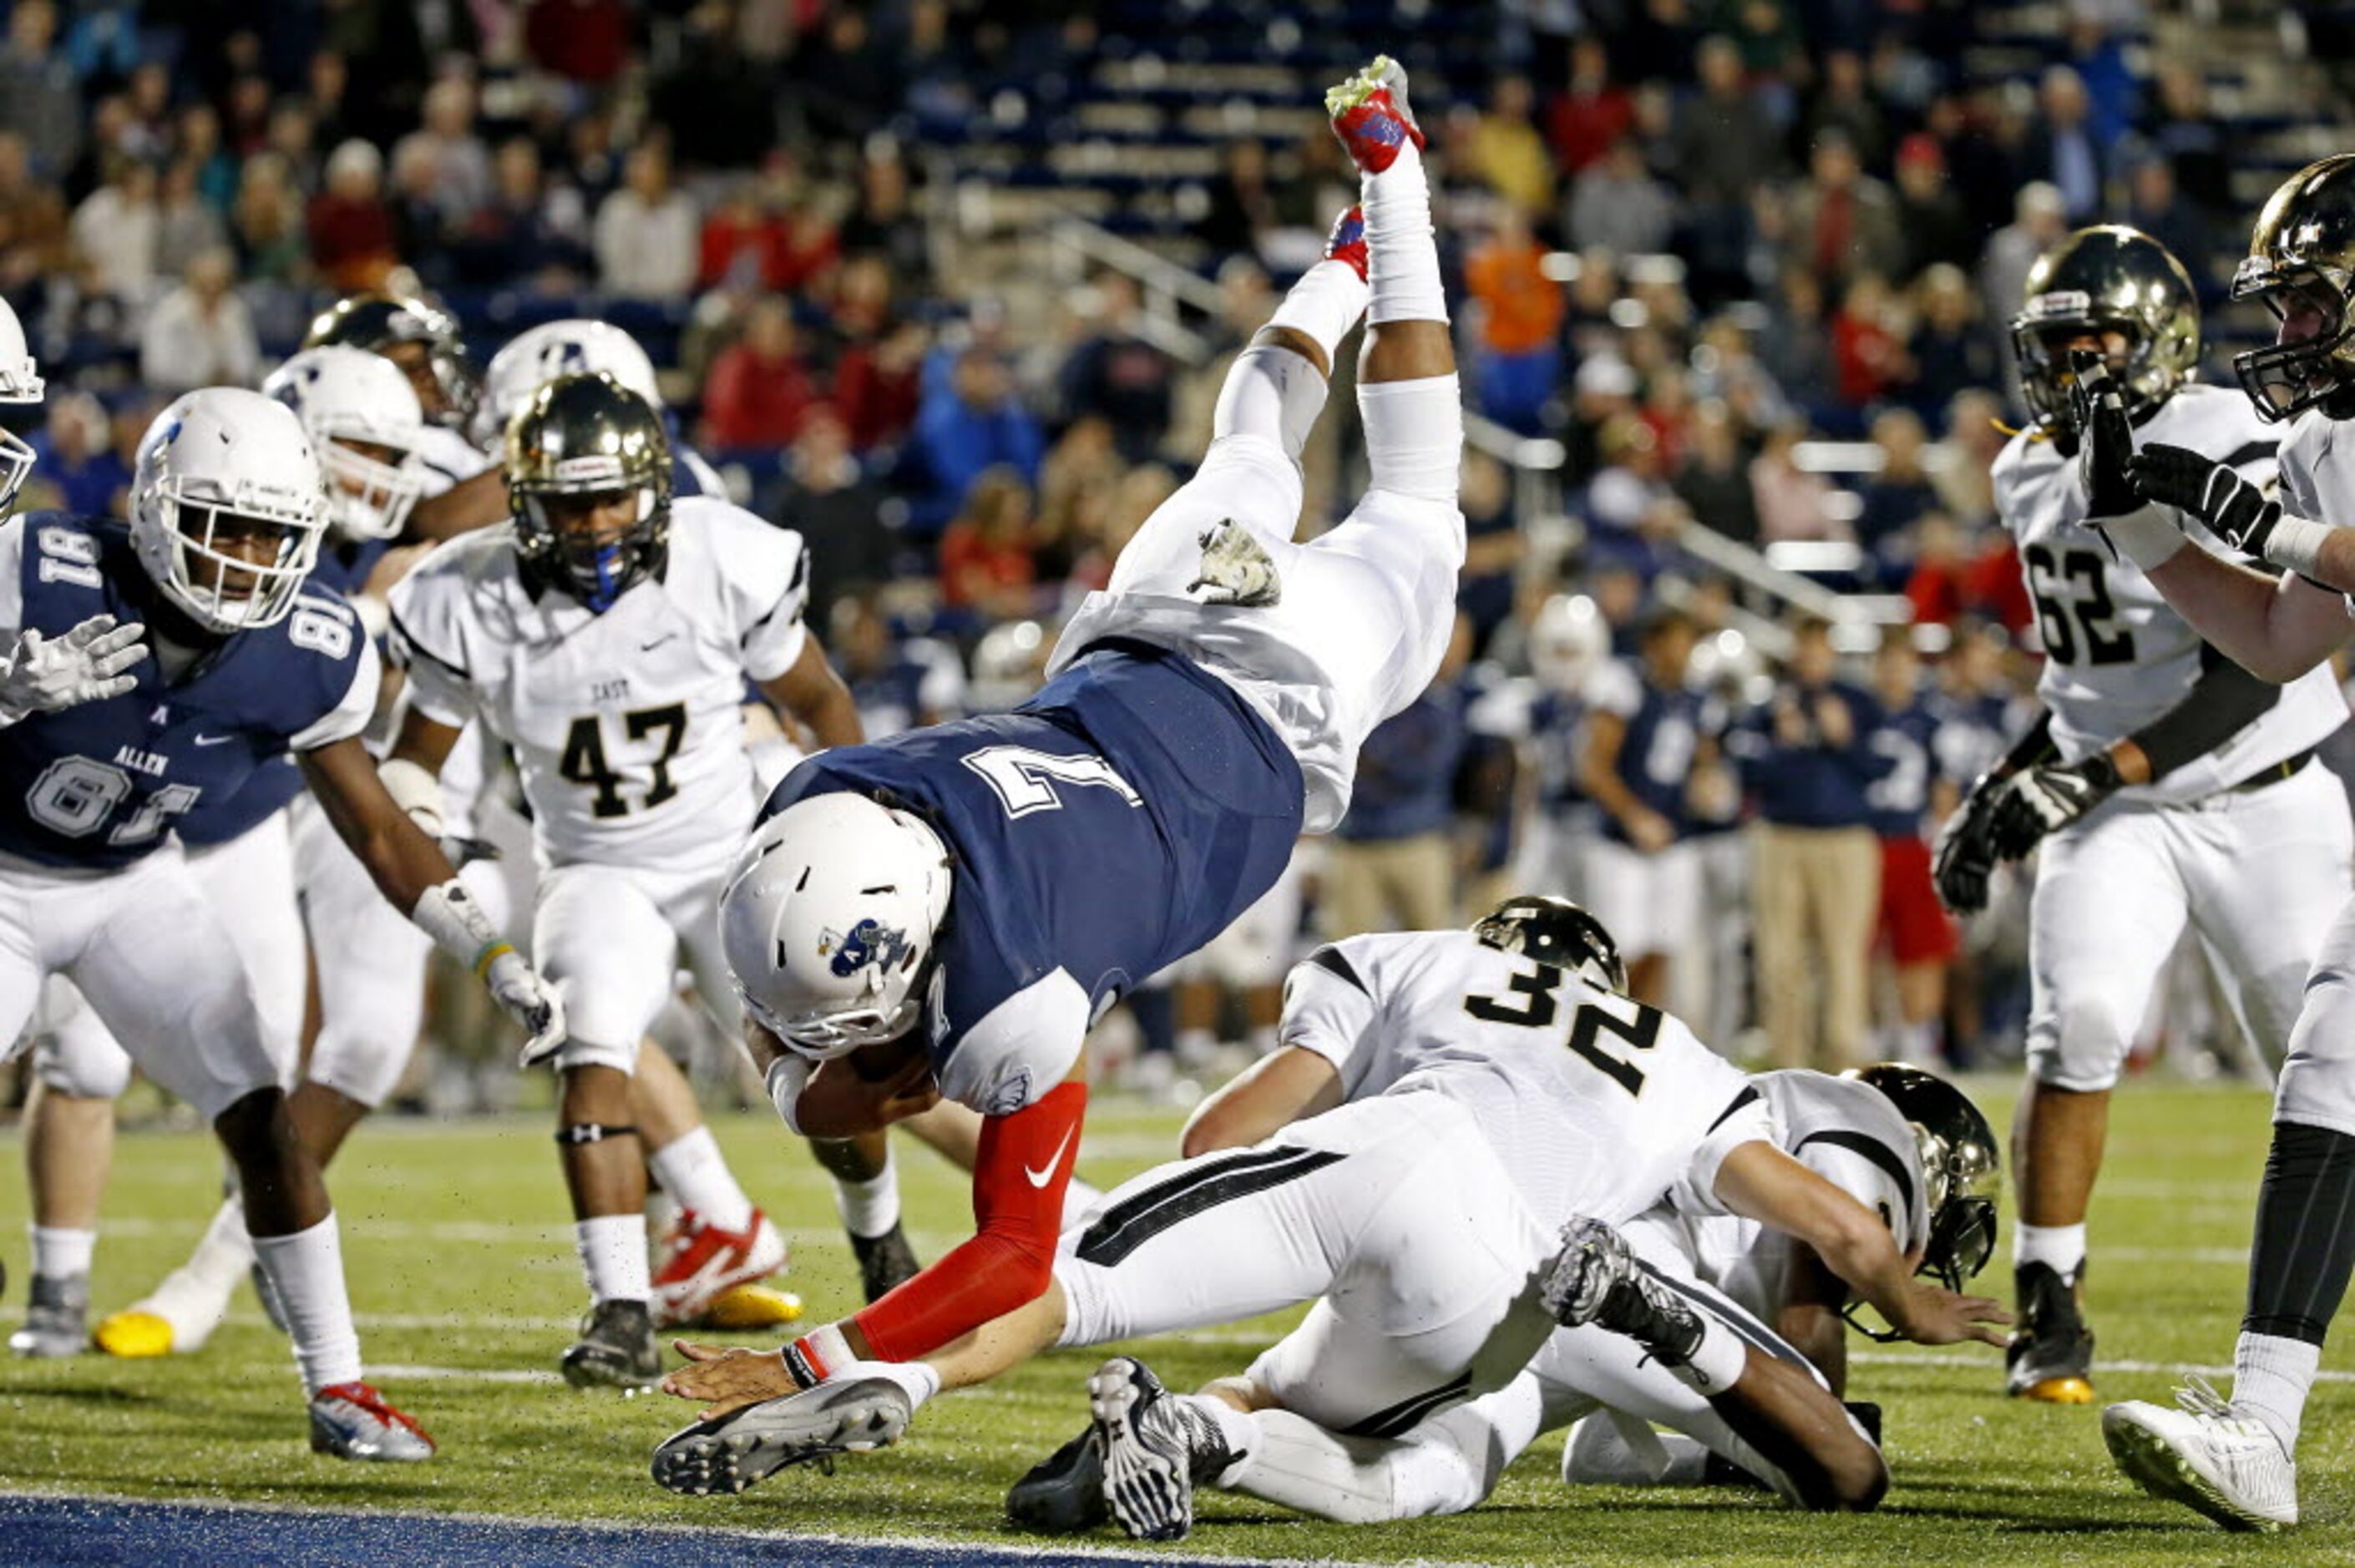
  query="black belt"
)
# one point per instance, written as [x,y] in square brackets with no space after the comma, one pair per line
[2273,773]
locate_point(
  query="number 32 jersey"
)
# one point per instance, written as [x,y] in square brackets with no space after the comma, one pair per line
[100,784]
[2117,656]
[1596,1103]
[627,726]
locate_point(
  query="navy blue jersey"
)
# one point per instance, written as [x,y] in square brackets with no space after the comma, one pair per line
[101,784]
[216,821]
[1899,800]
[1558,737]
[1664,733]
[345,564]
[1112,825]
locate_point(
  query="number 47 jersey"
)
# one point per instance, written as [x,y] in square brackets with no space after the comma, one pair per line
[2117,656]
[628,726]
[1596,1103]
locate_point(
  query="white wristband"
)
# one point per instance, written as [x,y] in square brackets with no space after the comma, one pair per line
[2144,537]
[788,1076]
[2296,544]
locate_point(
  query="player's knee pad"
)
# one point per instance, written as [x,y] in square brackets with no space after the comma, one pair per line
[362,1064]
[577,1053]
[82,1059]
[2082,1049]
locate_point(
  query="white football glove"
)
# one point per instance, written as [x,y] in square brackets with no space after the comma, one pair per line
[86,665]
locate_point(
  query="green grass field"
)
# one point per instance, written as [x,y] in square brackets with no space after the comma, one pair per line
[466,1286]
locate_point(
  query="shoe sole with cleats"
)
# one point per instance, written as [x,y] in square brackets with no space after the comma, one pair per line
[731,1452]
[2152,1463]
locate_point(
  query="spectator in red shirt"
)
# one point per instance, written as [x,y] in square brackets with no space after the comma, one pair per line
[741,242]
[1592,112]
[1868,353]
[758,390]
[878,385]
[986,554]
[350,227]
[586,40]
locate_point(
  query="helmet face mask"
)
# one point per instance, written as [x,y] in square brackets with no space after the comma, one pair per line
[2120,289]
[1960,1171]
[2301,263]
[588,466]
[365,422]
[1555,931]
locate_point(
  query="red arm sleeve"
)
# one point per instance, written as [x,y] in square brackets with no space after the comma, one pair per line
[1018,1182]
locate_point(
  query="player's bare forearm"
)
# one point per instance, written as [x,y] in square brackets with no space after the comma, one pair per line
[402,858]
[815,695]
[471,503]
[1810,1320]
[2276,629]
[1268,1096]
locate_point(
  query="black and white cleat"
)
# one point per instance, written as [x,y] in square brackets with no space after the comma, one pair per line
[731,1452]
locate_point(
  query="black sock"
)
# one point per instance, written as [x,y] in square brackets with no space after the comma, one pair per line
[2304,1244]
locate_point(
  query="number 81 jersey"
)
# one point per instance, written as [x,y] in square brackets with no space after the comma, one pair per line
[1596,1103]
[100,784]
[627,726]
[2116,655]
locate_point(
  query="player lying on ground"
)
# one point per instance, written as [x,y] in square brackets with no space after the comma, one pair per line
[1767,1286]
[1425,1222]
[106,743]
[2233,1461]
[2160,777]
[944,912]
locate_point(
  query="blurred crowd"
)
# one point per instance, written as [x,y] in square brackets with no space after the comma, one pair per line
[1749,262]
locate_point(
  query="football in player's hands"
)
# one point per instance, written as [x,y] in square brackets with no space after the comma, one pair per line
[2106,440]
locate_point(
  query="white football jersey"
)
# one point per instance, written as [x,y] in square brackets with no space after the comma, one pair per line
[2318,473]
[2117,656]
[1845,1131]
[1595,1104]
[627,726]
[449,459]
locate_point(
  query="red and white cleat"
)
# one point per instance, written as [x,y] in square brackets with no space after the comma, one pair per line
[1371,115]
[1347,243]
[353,1420]
[702,1263]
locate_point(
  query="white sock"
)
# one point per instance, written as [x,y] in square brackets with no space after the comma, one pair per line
[613,1257]
[1238,1430]
[59,1253]
[1717,1363]
[2270,1378]
[1324,304]
[1414,436]
[1918,1044]
[2062,1247]
[916,1379]
[870,1208]
[693,1171]
[307,1270]
[226,1251]
[1400,257]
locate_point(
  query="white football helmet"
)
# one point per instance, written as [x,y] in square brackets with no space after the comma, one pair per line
[348,399]
[1567,641]
[829,919]
[540,355]
[20,382]
[216,464]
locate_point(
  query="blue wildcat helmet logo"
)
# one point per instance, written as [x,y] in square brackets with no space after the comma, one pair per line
[870,942]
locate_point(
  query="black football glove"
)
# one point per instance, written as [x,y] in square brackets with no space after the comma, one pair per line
[2235,510]
[1965,857]
[2045,800]
[2106,440]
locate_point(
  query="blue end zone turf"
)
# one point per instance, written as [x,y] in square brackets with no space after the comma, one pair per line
[45,1531]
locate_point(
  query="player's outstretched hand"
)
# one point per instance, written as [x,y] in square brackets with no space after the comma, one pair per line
[530,1001]
[1936,1316]
[729,1378]
[88,664]
[2235,510]
[2105,438]
[1965,858]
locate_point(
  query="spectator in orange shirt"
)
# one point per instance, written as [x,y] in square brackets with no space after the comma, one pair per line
[758,390]
[1521,324]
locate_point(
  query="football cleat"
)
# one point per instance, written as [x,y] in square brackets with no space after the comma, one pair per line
[1347,243]
[701,1262]
[1236,569]
[1596,1278]
[751,1306]
[2051,1357]
[616,1347]
[885,1263]
[1372,117]
[1063,1493]
[57,1319]
[731,1452]
[353,1420]
[1153,1447]
[2206,1456]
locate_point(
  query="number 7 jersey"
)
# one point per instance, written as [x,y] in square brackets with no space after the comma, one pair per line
[627,726]
[2117,656]
[1596,1103]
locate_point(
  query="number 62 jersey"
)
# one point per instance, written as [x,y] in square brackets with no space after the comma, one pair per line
[2117,656]
[1596,1103]
[628,726]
